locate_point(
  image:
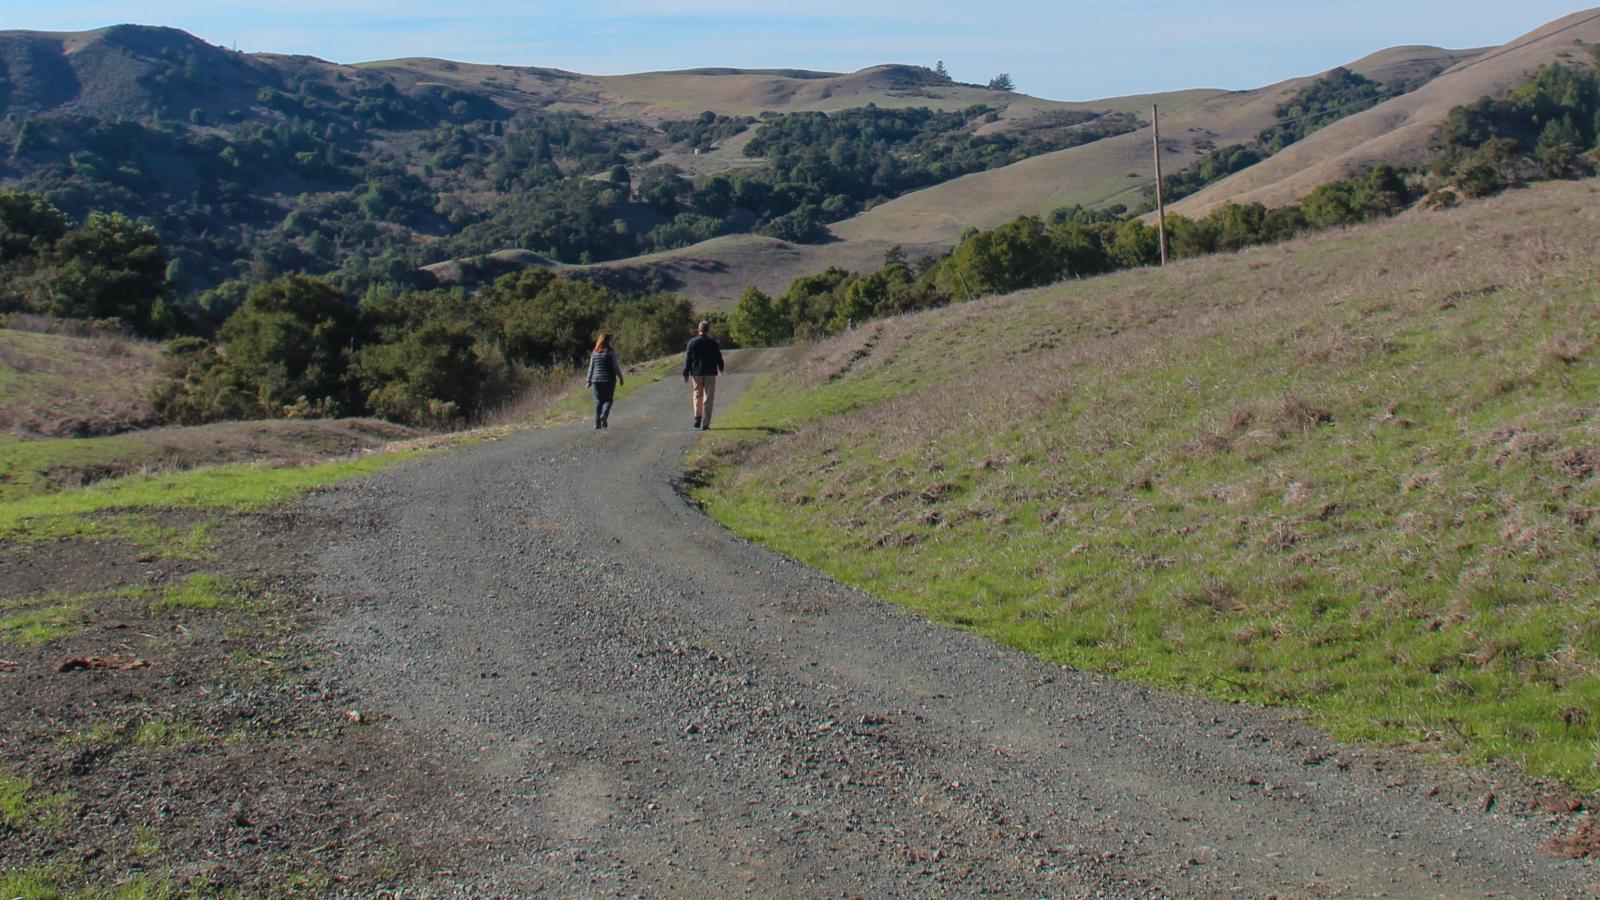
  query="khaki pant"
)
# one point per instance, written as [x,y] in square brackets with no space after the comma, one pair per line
[705,391]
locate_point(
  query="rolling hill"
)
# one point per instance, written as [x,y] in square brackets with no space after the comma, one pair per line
[1119,169]
[272,163]
[664,96]
[1400,130]
[1116,170]
[416,161]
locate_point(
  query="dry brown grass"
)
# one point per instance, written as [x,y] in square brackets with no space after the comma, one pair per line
[1115,170]
[61,380]
[714,273]
[1398,131]
[657,96]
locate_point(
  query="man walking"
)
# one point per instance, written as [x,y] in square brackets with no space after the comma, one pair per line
[702,363]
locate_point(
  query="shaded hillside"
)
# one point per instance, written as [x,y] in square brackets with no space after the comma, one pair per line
[1357,473]
[125,71]
[253,166]
[1403,130]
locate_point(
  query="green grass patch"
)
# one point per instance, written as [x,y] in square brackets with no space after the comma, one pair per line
[102,512]
[206,591]
[1373,498]
[25,808]
[39,883]
[146,842]
[148,734]
[28,621]
[158,734]
[41,624]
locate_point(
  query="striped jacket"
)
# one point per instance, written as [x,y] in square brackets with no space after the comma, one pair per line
[603,367]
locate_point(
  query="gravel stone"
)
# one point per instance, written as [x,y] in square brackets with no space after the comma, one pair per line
[648,706]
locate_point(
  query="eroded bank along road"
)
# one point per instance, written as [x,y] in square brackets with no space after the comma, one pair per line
[633,702]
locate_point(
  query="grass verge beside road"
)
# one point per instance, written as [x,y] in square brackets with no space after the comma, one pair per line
[1357,474]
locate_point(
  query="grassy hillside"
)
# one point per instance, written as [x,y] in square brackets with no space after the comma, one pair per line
[56,385]
[75,409]
[716,272]
[1402,130]
[1115,170]
[662,96]
[28,468]
[1357,473]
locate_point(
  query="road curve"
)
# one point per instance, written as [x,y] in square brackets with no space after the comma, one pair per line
[640,704]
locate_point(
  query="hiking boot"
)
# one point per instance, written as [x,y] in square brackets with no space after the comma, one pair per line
[696,421]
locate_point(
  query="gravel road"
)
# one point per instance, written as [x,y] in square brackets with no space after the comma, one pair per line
[642,705]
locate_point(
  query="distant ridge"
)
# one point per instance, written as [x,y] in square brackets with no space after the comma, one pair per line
[1400,130]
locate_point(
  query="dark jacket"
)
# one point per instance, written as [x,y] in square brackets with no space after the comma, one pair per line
[702,357]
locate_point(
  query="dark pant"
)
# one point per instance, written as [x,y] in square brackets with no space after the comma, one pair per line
[604,391]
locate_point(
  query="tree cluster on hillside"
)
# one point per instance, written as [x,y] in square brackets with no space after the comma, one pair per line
[706,131]
[1032,251]
[253,169]
[825,167]
[108,268]
[1546,128]
[298,346]
[1339,94]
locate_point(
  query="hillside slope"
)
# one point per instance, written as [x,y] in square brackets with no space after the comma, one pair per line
[1357,473]
[426,161]
[61,385]
[658,96]
[1399,131]
[133,70]
[1116,170]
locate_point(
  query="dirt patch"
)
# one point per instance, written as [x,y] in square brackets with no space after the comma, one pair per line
[202,747]
[1583,842]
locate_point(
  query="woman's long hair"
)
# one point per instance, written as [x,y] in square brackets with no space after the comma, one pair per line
[604,343]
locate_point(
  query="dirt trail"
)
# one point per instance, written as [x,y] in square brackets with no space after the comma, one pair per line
[641,704]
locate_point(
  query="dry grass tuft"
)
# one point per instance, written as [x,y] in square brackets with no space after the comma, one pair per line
[1214,594]
[1582,843]
[1296,413]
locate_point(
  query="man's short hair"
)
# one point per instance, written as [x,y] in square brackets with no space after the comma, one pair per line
[704,327]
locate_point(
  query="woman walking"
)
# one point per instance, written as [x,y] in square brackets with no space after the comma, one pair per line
[605,374]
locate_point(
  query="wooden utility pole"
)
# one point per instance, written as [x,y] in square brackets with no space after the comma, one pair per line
[1161,201]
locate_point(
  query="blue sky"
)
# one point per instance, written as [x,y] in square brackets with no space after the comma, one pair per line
[1067,49]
